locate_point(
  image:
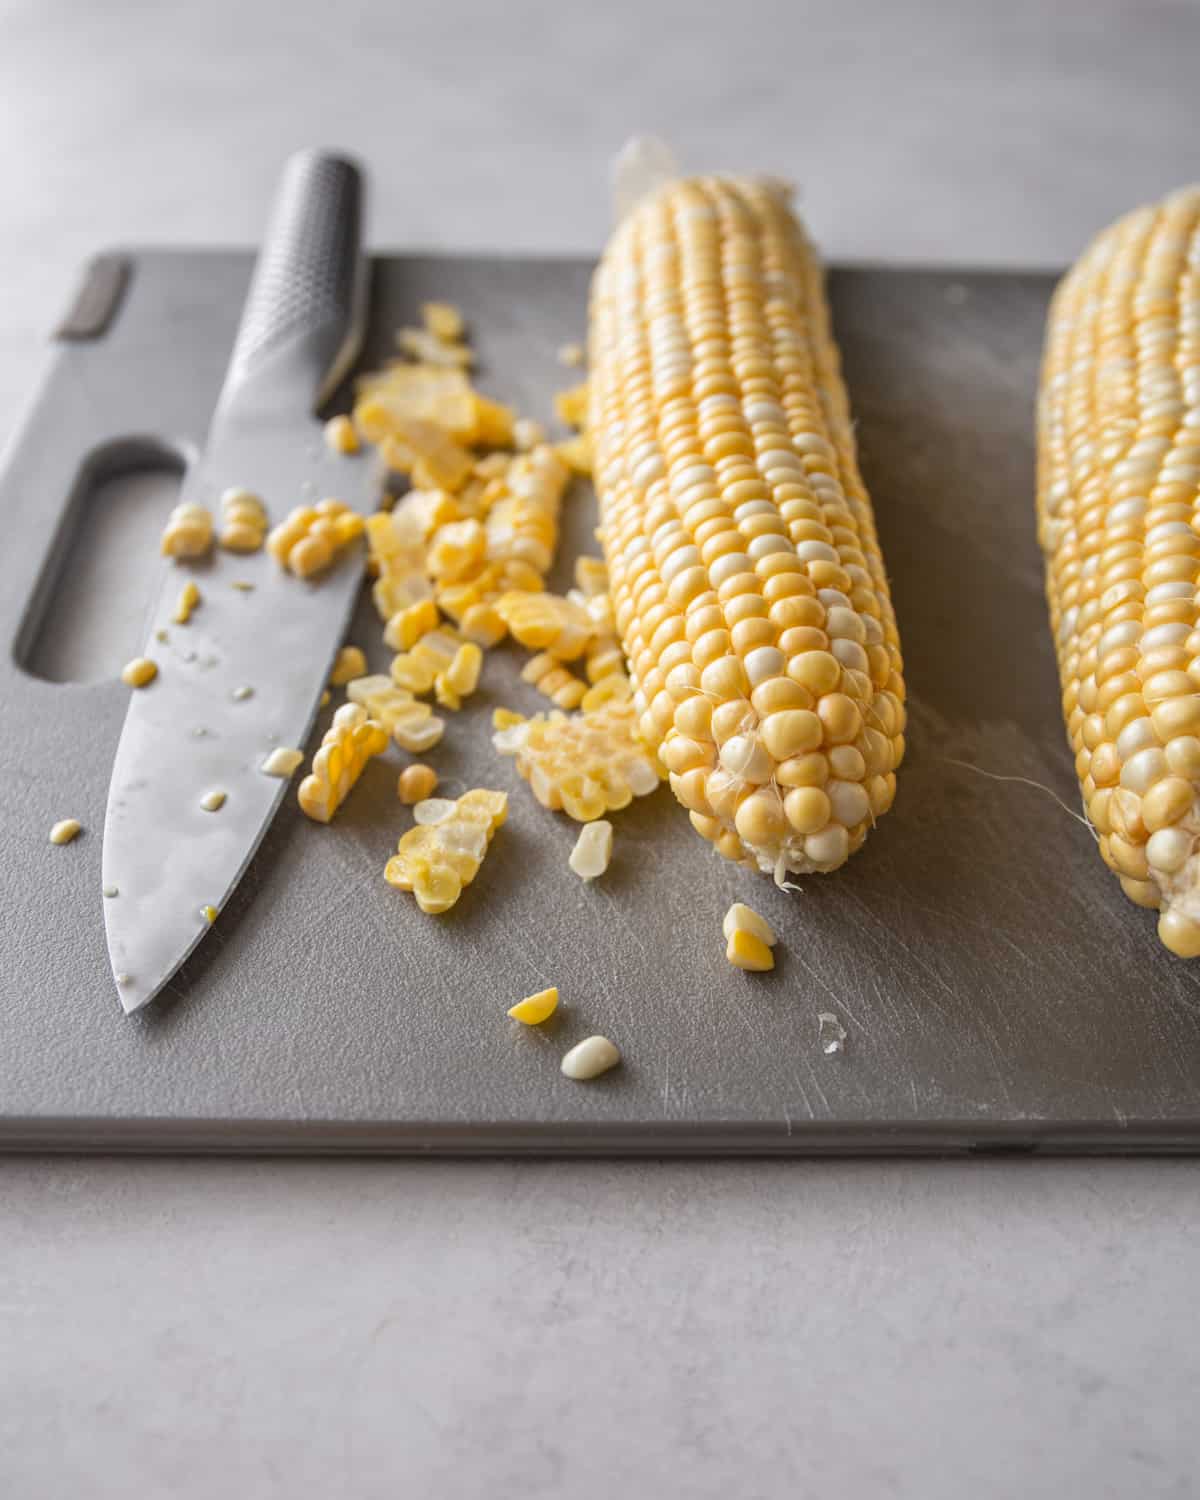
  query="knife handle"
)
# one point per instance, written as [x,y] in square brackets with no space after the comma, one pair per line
[303,319]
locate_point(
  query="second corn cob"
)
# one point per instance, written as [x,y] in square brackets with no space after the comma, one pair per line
[747,582]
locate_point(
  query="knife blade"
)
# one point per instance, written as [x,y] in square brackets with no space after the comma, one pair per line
[246,674]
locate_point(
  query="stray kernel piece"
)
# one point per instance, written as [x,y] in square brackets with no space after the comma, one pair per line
[139,672]
[340,435]
[209,913]
[65,831]
[349,742]
[416,783]
[745,951]
[350,663]
[243,521]
[571,355]
[213,801]
[443,320]
[281,762]
[571,406]
[242,586]
[589,1058]
[242,692]
[109,891]
[325,697]
[431,810]
[742,918]
[188,532]
[593,849]
[413,725]
[535,1009]
[436,859]
[307,541]
[189,597]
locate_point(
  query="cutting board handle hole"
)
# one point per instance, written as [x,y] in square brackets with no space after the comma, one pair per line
[88,610]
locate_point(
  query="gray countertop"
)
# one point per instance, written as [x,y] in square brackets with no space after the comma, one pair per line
[367,1329]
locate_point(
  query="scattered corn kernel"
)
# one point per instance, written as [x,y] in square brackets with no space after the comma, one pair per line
[325,697]
[593,849]
[243,521]
[243,586]
[506,718]
[572,405]
[535,1009]
[281,762]
[590,1058]
[139,672]
[188,532]
[571,355]
[209,913]
[416,783]
[591,576]
[411,724]
[427,452]
[340,435]
[527,434]
[349,742]
[547,622]
[443,320]
[189,598]
[742,918]
[64,831]
[213,801]
[350,663]
[240,694]
[436,859]
[432,810]
[407,626]
[746,951]
[308,540]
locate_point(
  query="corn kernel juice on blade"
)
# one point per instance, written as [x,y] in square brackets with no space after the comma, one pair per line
[1118,498]
[747,583]
[185,733]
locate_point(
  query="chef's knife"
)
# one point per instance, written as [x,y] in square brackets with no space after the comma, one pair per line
[246,674]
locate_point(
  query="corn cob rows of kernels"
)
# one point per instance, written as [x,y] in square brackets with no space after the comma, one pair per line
[1118,499]
[747,581]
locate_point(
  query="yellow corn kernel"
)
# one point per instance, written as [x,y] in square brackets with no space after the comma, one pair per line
[455,549]
[428,393]
[65,830]
[139,672]
[576,453]
[243,521]
[445,694]
[350,741]
[755,614]
[189,598]
[463,672]
[411,675]
[340,435]
[742,918]
[282,762]
[522,525]
[571,405]
[615,688]
[407,627]
[209,913]
[413,444]
[443,320]
[493,423]
[571,355]
[506,718]
[438,857]
[411,724]
[535,1009]
[214,801]
[746,951]
[188,532]
[582,764]
[307,541]
[482,624]
[426,347]
[350,663]
[593,850]
[416,783]
[546,622]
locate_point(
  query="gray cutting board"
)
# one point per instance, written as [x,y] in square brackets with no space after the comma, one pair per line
[997,990]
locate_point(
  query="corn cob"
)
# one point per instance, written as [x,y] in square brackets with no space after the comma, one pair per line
[1118,492]
[748,587]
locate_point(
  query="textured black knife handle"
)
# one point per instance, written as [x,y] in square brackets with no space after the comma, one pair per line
[304,309]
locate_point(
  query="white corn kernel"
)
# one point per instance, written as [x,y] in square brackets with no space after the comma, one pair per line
[281,762]
[213,801]
[590,1058]
[593,849]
